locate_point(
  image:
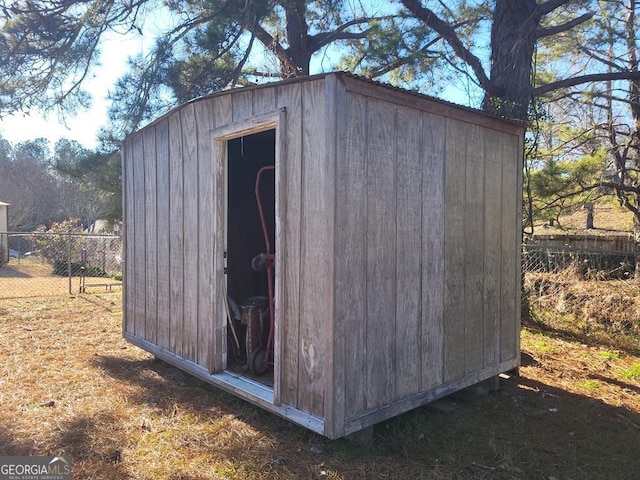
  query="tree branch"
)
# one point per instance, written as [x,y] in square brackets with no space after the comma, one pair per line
[451,37]
[271,44]
[573,81]
[617,186]
[319,40]
[238,70]
[549,6]
[404,60]
[600,59]
[316,42]
[547,32]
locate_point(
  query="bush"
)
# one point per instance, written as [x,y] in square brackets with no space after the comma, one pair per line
[61,267]
[54,244]
[94,272]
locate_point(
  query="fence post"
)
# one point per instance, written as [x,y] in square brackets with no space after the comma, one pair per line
[69,259]
[104,254]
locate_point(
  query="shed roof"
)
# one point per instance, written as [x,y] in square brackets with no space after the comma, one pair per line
[4,204]
[319,76]
[430,97]
[362,79]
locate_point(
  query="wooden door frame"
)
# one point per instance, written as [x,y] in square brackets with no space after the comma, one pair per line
[221,136]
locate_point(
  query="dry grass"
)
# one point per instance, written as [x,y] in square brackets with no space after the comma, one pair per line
[70,385]
[605,310]
[27,278]
[608,219]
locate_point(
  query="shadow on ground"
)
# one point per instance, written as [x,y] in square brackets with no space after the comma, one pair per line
[94,444]
[526,430]
[7,271]
[9,446]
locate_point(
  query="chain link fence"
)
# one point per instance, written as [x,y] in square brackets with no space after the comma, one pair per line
[48,264]
[586,264]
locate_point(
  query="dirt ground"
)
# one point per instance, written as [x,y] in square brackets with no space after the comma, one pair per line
[71,386]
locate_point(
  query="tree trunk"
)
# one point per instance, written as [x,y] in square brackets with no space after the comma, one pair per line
[636,246]
[634,141]
[513,40]
[297,37]
[589,208]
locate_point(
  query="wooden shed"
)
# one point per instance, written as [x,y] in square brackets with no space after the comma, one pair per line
[396,224]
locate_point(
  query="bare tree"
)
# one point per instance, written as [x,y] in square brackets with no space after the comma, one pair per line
[26,183]
[605,115]
[516,27]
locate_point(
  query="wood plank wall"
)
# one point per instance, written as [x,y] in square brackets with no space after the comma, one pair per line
[173,295]
[169,188]
[163,220]
[316,242]
[426,250]
[389,245]
[205,201]
[401,232]
[291,99]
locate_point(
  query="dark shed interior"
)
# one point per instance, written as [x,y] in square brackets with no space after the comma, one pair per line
[245,238]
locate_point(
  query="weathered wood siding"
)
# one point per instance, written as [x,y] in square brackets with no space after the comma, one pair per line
[426,248]
[174,255]
[389,251]
[482,238]
[313,314]
[169,195]
[397,242]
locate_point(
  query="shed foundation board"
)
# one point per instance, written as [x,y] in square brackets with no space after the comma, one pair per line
[423,398]
[262,396]
[239,386]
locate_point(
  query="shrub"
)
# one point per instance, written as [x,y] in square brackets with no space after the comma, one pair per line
[61,267]
[54,244]
[94,272]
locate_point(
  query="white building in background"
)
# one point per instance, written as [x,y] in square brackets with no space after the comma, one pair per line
[4,240]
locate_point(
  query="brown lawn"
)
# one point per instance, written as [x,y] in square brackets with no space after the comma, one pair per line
[27,279]
[70,385]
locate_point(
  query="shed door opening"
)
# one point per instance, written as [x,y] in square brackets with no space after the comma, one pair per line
[251,332]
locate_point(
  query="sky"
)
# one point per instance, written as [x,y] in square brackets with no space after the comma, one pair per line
[84,126]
